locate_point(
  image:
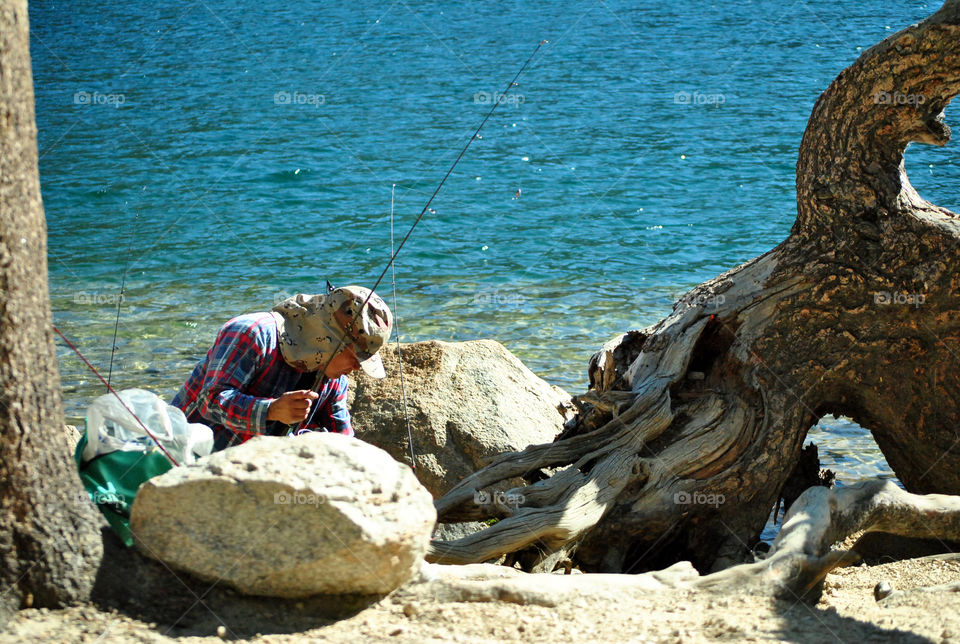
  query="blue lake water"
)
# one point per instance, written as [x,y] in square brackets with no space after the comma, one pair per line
[223,155]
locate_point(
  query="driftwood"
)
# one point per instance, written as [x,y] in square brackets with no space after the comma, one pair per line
[800,558]
[692,426]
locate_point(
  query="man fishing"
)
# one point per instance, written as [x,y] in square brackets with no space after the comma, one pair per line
[269,370]
[254,378]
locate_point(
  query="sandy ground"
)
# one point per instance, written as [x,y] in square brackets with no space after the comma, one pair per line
[847,612]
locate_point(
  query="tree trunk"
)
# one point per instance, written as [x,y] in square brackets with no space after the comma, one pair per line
[692,426]
[49,531]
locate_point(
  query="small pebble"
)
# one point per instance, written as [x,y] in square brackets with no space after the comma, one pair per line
[882,589]
[222,632]
[396,631]
[410,610]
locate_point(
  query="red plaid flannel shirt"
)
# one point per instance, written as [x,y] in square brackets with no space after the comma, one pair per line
[232,388]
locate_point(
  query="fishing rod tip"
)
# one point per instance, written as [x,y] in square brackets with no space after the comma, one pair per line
[544,42]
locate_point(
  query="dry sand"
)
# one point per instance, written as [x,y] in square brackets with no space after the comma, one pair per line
[847,612]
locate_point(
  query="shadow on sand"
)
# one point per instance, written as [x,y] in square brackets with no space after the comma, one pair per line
[180,605]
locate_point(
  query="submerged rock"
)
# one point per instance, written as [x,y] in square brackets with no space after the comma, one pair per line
[282,517]
[467,402]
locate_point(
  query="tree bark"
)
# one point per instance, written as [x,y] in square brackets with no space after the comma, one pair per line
[49,531]
[692,426]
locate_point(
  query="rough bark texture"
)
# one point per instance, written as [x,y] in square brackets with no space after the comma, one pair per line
[49,534]
[692,426]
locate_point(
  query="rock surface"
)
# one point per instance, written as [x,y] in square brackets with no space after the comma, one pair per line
[467,402]
[289,517]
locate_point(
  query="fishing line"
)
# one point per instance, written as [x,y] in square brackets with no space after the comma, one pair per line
[450,171]
[396,324]
[114,392]
[123,284]
[321,376]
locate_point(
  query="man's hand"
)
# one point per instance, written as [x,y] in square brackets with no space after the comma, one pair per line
[292,407]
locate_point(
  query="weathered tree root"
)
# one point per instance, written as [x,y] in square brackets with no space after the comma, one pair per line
[802,555]
[692,426]
[486,583]
[893,595]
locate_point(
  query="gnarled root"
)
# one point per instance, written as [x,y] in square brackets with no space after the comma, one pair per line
[803,553]
[692,426]
[801,557]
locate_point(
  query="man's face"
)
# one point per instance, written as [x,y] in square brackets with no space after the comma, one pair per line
[343,363]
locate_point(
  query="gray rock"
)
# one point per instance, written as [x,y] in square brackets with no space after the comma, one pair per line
[467,402]
[289,517]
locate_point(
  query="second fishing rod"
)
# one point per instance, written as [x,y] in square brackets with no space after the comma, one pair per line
[348,331]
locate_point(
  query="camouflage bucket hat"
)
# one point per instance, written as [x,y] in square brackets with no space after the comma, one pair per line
[312,327]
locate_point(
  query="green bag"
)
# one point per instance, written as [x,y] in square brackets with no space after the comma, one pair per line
[116,454]
[112,480]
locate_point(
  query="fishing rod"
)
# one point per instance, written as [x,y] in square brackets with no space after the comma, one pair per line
[393,257]
[123,286]
[114,392]
[116,326]
[396,324]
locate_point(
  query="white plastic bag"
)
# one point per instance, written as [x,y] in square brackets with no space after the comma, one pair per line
[112,428]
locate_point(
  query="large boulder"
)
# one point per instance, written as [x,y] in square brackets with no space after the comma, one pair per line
[467,402]
[289,517]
